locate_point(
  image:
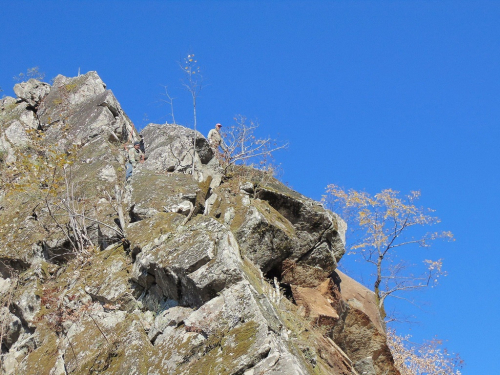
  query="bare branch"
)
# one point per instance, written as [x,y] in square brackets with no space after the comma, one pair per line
[170,102]
[242,145]
[381,224]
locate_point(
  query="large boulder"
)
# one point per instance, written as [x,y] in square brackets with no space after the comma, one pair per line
[169,145]
[169,148]
[32,91]
[273,223]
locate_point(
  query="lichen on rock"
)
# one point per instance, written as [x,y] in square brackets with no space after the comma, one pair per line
[186,268]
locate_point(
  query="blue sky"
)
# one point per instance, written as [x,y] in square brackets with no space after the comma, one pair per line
[369,94]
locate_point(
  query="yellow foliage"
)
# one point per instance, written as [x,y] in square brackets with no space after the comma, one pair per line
[429,358]
[382,224]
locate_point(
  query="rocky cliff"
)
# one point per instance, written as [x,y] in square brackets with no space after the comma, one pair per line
[204,273]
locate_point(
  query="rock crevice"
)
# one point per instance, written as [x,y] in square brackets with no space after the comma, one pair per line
[192,281]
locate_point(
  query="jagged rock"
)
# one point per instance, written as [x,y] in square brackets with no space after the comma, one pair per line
[359,323]
[16,118]
[347,311]
[169,148]
[180,284]
[24,345]
[183,208]
[10,263]
[16,134]
[190,266]
[303,275]
[110,281]
[316,305]
[319,231]
[5,285]
[20,234]
[168,145]
[233,336]
[278,361]
[13,111]
[108,173]
[98,170]
[11,327]
[361,298]
[151,192]
[32,91]
[26,302]
[279,224]
[365,366]
[82,109]
[7,154]
[171,317]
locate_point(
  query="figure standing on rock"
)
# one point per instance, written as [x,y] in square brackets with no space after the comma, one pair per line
[135,156]
[215,140]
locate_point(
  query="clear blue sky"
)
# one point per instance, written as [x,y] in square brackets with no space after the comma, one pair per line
[370,95]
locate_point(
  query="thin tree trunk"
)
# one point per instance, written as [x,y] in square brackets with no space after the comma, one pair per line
[194,136]
[376,288]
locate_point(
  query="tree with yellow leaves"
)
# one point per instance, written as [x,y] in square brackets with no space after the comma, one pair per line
[382,225]
[430,358]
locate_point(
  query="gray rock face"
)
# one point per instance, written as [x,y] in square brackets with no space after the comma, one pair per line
[26,303]
[192,266]
[16,119]
[273,223]
[169,145]
[7,154]
[150,193]
[169,148]
[32,91]
[186,280]
[82,109]
[11,327]
[172,317]
[76,110]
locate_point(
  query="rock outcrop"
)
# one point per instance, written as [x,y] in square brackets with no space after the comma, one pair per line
[32,92]
[186,268]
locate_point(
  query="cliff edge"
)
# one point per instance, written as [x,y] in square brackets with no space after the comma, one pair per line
[172,272]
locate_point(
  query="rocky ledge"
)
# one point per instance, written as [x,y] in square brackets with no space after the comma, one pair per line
[204,273]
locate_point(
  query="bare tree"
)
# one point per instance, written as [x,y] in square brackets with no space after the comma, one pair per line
[382,225]
[30,73]
[43,177]
[170,101]
[242,146]
[193,84]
